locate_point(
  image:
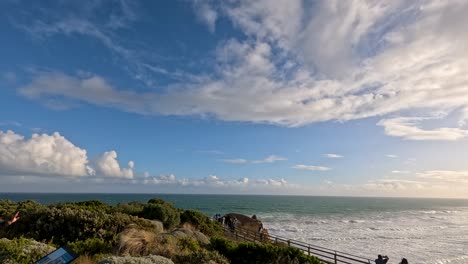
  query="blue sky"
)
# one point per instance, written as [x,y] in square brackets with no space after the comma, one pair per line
[267,97]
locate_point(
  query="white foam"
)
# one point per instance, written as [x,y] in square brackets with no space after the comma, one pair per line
[426,236]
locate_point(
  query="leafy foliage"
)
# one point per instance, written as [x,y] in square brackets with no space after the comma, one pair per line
[163,211]
[201,222]
[260,253]
[91,246]
[22,250]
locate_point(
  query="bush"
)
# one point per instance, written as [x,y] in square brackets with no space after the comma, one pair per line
[151,259]
[201,222]
[165,212]
[91,246]
[260,253]
[131,208]
[201,256]
[22,251]
[66,224]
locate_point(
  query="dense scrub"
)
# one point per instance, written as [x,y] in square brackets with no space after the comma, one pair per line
[201,222]
[246,253]
[100,232]
[21,250]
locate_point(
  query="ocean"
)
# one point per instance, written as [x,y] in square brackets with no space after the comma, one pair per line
[421,230]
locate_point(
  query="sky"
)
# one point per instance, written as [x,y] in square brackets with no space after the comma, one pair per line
[358,98]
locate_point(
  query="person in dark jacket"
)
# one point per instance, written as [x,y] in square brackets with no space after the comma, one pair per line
[4,223]
[381,259]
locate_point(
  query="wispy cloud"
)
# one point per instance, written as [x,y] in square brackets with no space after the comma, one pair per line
[269,159]
[310,167]
[401,171]
[206,14]
[211,151]
[392,156]
[333,156]
[407,128]
[305,63]
[236,161]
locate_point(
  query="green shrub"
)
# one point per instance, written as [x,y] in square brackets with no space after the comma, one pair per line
[260,253]
[91,246]
[66,224]
[22,250]
[157,209]
[188,244]
[200,256]
[131,208]
[201,222]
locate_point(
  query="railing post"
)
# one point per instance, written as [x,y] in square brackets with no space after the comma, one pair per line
[289,242]
[308,250]
[336,260]
[276,240]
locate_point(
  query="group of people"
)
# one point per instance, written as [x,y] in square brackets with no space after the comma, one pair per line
[384,259]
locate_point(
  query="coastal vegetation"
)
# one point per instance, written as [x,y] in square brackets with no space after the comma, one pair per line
[135,232]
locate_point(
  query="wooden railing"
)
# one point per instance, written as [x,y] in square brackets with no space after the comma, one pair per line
[323,254]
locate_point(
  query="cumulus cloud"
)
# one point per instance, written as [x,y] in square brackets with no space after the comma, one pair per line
[54,155]
[310,167]
[108,166]
[41,155]
[269,159]
[333,156]
[215,181]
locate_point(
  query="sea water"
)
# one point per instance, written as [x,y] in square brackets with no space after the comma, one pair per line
[421,230]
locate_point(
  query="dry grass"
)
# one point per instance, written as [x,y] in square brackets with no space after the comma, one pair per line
[135,242]
[84,260]
[166,246]
[189,226]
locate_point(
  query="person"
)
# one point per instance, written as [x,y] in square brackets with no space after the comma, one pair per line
[260,231]
[4,223]
[381,259]
[404,261]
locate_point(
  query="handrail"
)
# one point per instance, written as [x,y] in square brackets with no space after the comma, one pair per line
[323,254]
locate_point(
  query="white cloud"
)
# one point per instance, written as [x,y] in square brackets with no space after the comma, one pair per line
[41,155]
[213,181]
[108,166]
[333,156]
[303,63]
[269,159]
[392,156]
[311,167]
[206,14]
[456,177]
[407,127]
[54,155]
[401,171]
[211,151]
[236,161]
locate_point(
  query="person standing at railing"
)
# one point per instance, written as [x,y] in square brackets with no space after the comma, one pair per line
[381,260]
[404,261]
